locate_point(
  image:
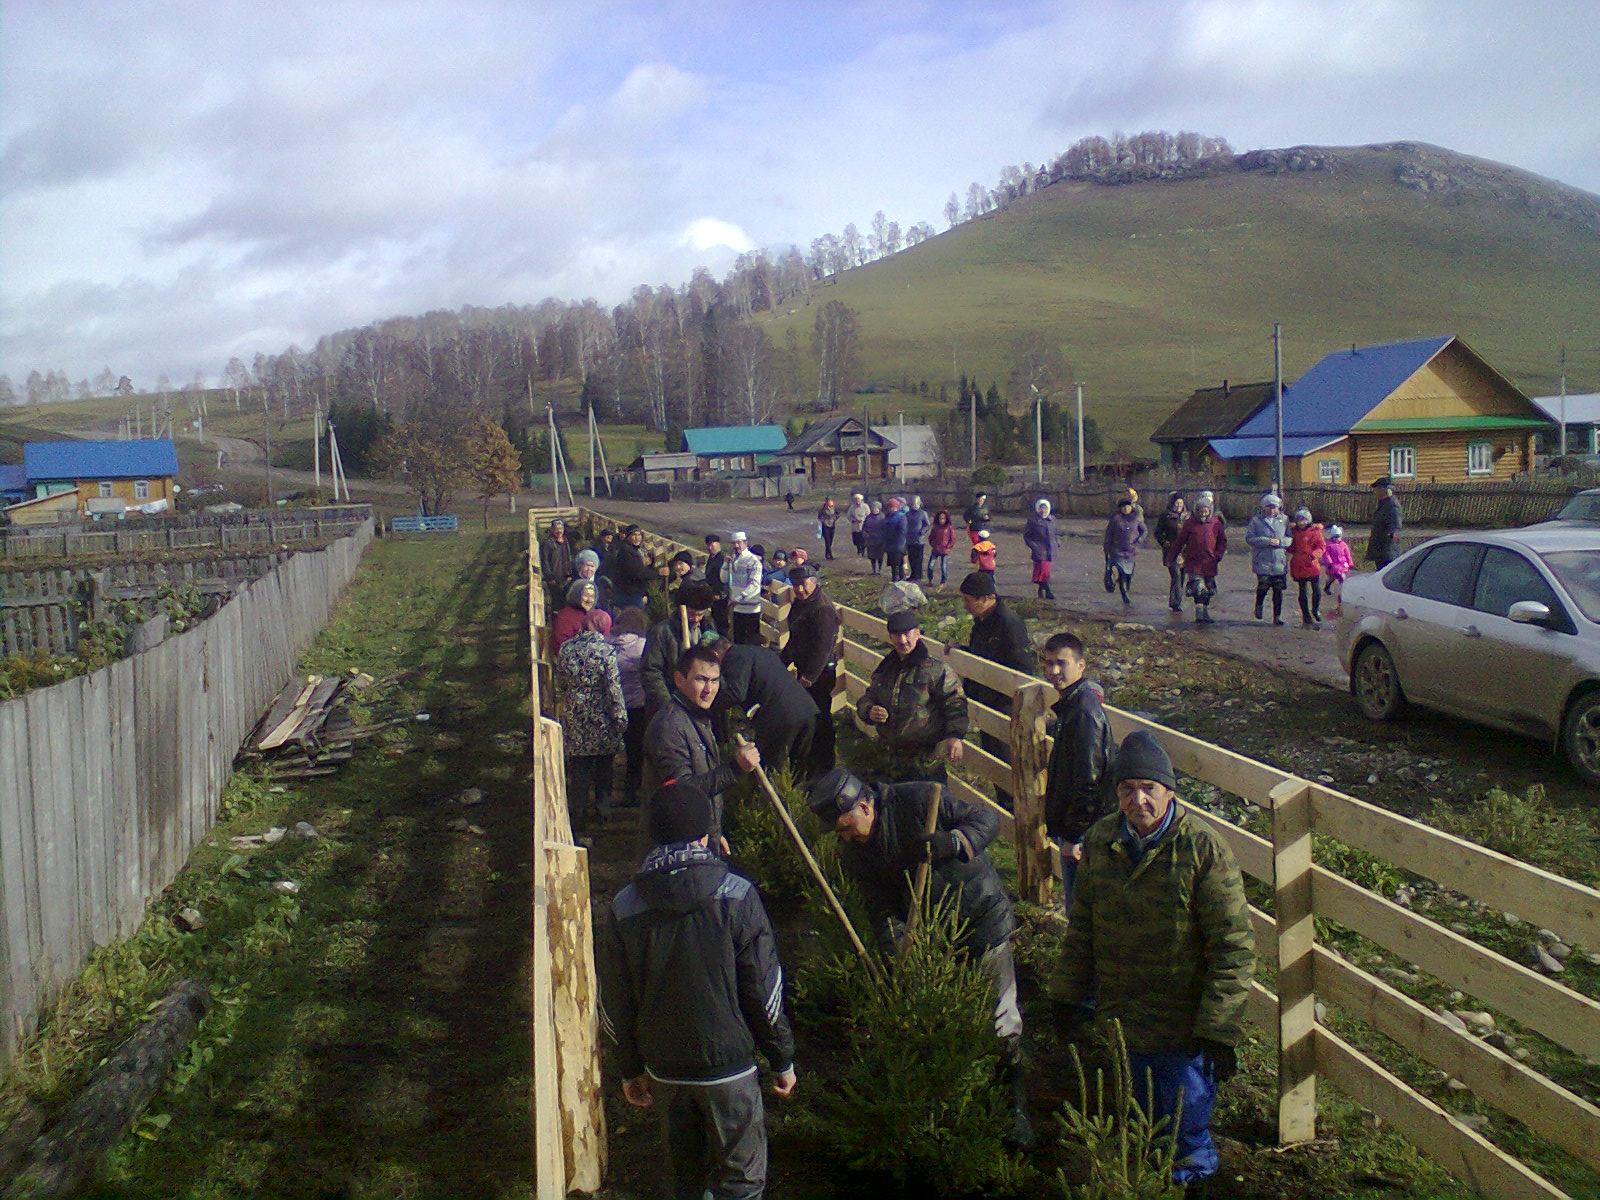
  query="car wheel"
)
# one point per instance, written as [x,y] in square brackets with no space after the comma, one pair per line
[1580,737]
[1376,684]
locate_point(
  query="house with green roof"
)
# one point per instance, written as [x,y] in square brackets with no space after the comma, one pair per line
[733,447]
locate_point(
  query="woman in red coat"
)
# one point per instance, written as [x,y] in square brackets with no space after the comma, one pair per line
[1305,566]
[941,536]
[1202,542]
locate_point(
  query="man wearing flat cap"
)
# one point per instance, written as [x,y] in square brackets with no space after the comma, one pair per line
[1000,636]
[812,650]
[915,705]
[690,989]
[1386,523]
[1159,939]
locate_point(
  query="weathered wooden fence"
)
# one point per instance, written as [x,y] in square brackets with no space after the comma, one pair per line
[108,780]
[175,533]
[1307,972]
[569,1151]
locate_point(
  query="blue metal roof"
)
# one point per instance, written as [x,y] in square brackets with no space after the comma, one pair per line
[735,439]
[1343,388]
[145,458]
[13,478]
[1267,447]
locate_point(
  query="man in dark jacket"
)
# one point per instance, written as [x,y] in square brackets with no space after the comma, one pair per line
[1386,522]
[605,545]
[884,830]
[894,537]
[663,645]
[812,650]
[555,558]
[715,559]
[977,515]
[1159,935]
[1000,636]
[916,705]
[1078,788]
[760,695]
[683,741]
[690,989]
[631,569]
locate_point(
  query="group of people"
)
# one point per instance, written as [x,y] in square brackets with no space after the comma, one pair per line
[691,979]
[899,532]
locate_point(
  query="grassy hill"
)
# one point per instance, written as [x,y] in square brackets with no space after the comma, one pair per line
[1154,288]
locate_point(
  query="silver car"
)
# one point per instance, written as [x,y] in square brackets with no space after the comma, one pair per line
[1500,628]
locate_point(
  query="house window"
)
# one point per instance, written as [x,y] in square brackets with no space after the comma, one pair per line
[105,489]
[141,489]
[1480,458]
[838,464]
[1330,470]
[1403,462]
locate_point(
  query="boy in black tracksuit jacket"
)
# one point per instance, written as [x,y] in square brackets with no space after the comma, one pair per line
[691,988]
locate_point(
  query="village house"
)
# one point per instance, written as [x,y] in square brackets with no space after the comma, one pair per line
[1581,411]
[833,449]
[733,448]
[72,480]
[914,452]
[663,468]
[1431,411]
[1213,412]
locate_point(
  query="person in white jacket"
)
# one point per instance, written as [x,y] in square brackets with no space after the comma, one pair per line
[858,512]
[742,574]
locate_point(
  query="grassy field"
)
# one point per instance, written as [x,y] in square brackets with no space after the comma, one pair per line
[1153,289]
[369,1037]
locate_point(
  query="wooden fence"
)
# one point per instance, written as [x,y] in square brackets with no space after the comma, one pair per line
[569,1125]
[108,780]
[1307,972]
[176,533]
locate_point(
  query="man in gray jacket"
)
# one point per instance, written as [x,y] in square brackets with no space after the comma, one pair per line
[683,743]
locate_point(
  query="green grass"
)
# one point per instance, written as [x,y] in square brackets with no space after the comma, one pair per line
[1154,289]
[370,1033]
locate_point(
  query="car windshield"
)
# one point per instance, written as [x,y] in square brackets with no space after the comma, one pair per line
[1582,507]
[1579,573]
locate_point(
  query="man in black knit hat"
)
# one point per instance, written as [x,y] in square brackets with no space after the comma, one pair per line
[690,989]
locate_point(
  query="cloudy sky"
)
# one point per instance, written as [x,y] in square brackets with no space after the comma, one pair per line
[184,181]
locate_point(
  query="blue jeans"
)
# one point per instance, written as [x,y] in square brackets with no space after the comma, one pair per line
[944,567]
[1171,1073]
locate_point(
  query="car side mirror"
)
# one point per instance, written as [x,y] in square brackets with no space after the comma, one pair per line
[1530,612]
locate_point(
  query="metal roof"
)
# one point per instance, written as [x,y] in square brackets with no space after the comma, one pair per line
[921,445]
[734,439]
[143,458]
[1213,412]
[13,477]
[1344,387]
[1583,408]
[1267,447]
[811,439]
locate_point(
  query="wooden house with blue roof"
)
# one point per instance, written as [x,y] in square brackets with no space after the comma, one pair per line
[733,447]
[67,480]
[1430,411]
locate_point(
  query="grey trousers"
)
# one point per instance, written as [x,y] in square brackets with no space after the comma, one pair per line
[716,1137]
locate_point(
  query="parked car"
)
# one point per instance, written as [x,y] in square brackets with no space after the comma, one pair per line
[1499,628]
[1582,509]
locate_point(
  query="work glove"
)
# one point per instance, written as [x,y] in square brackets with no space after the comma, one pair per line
[942,846]
[1223,1061]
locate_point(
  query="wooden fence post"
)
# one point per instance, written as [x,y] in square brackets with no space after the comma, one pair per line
[575,1014]
[1292,909]
[1029,769]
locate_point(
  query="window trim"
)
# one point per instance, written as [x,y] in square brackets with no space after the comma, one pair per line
[1330,470]
[1486,445]
[1395,472]
[104,489]
[141,489]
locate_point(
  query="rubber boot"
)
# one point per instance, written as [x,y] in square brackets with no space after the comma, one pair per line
[1020,1136]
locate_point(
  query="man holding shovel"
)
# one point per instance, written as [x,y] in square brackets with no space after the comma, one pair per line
[906,838]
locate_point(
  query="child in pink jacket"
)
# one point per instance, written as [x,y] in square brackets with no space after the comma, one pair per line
[1336,565]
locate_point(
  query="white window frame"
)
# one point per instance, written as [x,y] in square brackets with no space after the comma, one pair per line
[141,489]
[1487,467]
[1403,461]
[1330,470]
[105,489]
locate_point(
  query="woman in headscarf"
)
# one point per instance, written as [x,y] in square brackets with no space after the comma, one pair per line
[1168,526]
[1040,537]
[581,611]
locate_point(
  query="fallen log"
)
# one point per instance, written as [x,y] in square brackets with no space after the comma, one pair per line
[62,1160]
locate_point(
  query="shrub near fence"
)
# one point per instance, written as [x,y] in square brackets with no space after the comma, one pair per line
[108,780]
[1301,891]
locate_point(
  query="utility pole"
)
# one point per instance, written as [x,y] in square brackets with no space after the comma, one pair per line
[316,446]
[1038,434]
[1277,395]
[266,418]
[972,424]
[1563,409]
[866,453]
[902,446]
[555,479]
[1080,432]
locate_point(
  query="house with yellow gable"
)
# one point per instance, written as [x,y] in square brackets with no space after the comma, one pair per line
[67,481]
[1426,411]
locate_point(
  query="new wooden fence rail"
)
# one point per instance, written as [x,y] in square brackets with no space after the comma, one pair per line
[109,779]
[1307,972]
[568,1113]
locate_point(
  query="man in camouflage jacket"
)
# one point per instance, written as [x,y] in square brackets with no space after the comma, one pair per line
[1159,938]
[916,703]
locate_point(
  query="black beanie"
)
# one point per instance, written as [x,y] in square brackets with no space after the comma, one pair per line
[679,812]
[1141,757]
[978,583]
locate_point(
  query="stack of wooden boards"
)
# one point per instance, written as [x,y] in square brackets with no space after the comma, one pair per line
[307,731]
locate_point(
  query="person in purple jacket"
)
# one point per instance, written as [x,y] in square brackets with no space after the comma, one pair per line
[1124,531]
[1039,535]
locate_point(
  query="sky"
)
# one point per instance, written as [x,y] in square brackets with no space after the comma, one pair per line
[181,182]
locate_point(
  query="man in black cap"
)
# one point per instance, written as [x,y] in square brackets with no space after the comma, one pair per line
[1386,522]
[1078,789]
[812,650]
[633,569]
[664,645]
[690,988]
[715,559]
[555,558]
[1159,938]
[679,567]
[916,705]
[883,830]
[1000,636]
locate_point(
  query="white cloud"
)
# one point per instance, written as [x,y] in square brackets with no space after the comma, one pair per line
[708,233]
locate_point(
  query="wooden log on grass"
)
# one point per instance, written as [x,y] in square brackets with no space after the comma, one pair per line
[62,1160]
